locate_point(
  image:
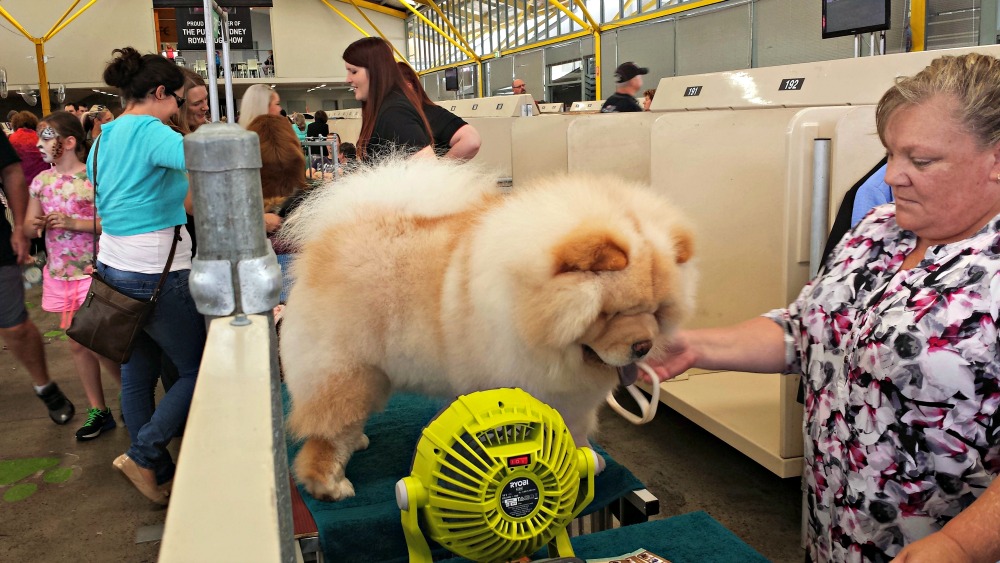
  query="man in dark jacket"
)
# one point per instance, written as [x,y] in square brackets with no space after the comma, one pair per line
[629,79]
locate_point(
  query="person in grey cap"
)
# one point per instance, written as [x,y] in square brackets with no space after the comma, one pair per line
[629,78]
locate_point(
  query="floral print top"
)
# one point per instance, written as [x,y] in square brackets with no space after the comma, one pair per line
[69,253]
[902,384]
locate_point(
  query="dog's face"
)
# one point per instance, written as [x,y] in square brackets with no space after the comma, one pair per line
[612,297]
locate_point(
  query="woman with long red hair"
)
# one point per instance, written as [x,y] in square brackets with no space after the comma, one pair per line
[392,117]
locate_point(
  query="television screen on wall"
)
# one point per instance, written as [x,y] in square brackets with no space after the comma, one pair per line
[851,17]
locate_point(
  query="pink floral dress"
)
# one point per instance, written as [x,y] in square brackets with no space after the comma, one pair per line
[902,384]
[69,253]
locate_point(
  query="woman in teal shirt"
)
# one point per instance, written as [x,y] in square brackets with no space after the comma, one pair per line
[141,186]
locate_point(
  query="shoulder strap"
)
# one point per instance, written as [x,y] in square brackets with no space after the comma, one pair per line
[93,181]
[170,261]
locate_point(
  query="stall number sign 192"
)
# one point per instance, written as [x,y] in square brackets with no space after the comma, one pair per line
[791,84]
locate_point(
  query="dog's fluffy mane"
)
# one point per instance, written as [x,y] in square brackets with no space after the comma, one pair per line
[455,187]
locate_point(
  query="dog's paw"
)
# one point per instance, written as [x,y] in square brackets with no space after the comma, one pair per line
[362,443]
[330,489]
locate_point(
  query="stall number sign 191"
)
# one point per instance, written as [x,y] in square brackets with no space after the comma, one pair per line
[791,84]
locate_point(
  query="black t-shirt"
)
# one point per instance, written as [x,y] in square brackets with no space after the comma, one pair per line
[444,125]
[397,127]
[317,129]
[7,157]
[619,103]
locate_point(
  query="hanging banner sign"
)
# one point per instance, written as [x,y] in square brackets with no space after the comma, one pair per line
[191,28]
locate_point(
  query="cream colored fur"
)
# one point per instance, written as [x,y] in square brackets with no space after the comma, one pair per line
[419,275]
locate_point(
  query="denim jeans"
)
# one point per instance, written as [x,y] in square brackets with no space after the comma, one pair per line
[178,329]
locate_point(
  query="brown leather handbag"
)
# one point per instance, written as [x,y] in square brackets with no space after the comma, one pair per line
[109,321]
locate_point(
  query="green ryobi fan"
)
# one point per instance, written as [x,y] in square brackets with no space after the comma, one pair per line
[496,476]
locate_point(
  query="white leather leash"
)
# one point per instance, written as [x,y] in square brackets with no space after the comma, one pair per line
[648,407]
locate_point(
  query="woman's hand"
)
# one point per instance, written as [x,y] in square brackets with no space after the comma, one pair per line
[935,548]
[677,357]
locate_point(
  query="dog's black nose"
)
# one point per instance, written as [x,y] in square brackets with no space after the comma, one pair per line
[641,348]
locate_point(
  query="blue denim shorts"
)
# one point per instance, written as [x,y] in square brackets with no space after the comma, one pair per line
[12,309]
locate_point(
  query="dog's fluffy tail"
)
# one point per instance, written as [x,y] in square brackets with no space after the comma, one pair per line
[422,187]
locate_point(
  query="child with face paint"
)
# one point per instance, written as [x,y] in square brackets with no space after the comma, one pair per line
[62,206]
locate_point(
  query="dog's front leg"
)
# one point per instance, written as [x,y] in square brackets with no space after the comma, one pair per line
[332,420]
[320,467]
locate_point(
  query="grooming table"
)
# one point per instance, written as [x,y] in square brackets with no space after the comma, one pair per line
[367,527]
[695,537]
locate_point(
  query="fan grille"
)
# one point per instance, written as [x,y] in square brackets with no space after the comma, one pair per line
[482,504]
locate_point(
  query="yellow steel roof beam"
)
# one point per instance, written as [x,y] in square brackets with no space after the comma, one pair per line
[469,50]
[659,14]
[594,26]
[379,8]
[43,79]
[571,15]
[347,19]
[60,20]
[441,32]
[458,35]
[377,30]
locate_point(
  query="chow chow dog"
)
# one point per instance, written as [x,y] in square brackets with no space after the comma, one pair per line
[421,275]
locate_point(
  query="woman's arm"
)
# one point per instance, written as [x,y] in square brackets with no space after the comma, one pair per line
[973,535]
[464,143]
[757,345]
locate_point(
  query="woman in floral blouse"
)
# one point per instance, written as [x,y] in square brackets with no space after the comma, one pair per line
[897,339]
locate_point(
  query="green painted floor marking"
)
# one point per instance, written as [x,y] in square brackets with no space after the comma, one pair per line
[58,475]
[12,471]
[19,492]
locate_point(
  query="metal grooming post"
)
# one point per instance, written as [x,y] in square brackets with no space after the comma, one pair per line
[213,95]
[235,271]
[820,203]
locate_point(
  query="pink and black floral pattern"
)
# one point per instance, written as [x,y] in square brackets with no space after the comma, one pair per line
[902,385]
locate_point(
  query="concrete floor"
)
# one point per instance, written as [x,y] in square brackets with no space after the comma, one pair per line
[81,509]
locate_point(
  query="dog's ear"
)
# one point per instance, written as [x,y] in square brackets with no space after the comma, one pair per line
[590,251]
[683,244]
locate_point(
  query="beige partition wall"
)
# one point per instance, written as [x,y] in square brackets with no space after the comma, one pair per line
[538,147]
[744,178]
[611,143]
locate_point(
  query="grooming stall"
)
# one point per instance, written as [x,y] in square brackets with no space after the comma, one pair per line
[493,118]
[741,164]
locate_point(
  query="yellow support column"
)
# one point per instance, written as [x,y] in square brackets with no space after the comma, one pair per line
[43,79]
[918,25]
[596,29]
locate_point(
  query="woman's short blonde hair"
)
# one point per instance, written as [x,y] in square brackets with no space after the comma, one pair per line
[972,80]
